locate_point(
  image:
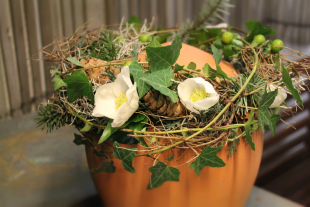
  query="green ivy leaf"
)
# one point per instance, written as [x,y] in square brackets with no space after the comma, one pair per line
[100,154]
[289,84]
[191,66]
[161,58]
[217,55]
[248,131]
[86,128]
[75,61]
[154,43]
[137,72]
[161,80]
[55,71]
[263,114]
[58,83]
[139,126]
[207,157]
[178,67]
[126,156]
[135,21]
[79,85]
[256,28]
[79,140]
[106,166]
[161,173]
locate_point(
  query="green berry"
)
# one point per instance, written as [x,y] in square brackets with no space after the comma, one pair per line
[127,63]
[277,45]
[227,37]
[145,38]
[259,39]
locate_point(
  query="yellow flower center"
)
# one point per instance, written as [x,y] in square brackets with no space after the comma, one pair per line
[120,100]
[199,94]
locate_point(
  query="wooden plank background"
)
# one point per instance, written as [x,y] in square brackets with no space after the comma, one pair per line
[27,25]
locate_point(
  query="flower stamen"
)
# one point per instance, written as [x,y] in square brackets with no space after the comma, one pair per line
[120,100]
[199,94]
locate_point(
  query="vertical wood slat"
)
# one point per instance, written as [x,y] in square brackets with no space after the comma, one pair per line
[96,12]
[10,60]
[67,18]
[22,53]
[112,12]
[124,10]
[78,14]
[35,44]
[4,92]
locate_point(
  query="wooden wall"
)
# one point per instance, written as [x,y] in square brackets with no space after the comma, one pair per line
[28,25]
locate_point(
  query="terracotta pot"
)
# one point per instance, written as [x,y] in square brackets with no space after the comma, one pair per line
[226,186]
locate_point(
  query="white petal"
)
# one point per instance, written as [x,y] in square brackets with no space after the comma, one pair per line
[186,88]
[207,102]
[105,108]
[126,75]
[105,92]
[279,98]
[119,85]
[127,109]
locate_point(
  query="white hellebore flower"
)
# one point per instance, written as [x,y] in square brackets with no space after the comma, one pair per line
[281,96]
[117,100]
[196,93]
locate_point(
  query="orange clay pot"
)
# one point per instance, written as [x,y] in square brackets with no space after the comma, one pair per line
[218,187]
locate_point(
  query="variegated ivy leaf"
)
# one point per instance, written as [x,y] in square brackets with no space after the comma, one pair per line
[161,58]
[161,173]
[137,72]
[161,80]
[289,84]
[58,83]
[105,167]
[126,155]
[75,61]
[207,157]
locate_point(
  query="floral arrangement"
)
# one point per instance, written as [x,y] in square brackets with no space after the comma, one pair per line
[122,86]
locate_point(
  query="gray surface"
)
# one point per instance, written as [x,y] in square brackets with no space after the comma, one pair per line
[39,169]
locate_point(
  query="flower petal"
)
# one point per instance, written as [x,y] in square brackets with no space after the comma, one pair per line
[186,88]
[126,75]
[281,96]
[119,85]
[105,107]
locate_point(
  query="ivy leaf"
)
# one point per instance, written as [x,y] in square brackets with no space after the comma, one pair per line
[55,71]
[100,154]
[79,140]
[86,128]
[217,55]
[106,166]
[139,126]
[161,173]
[134,53]
[58,83]
[135,21]
[161,80]
[289,84]
[125,155]
[79,85]
[207,157]
[273,122]
[75,61]
[192,66]
[161,58]
[256,28]
[178,67]
[154,43]
[137,72]
[263,114]
[248,131]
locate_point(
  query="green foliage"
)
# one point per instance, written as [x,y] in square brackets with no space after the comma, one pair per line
[257,28]
[217,55]
[191,66]
[264,117]
[109,74]
[154,43]
[233,147]
[137,72]
[161,58]
[207,157]
[58,83]
[178,67]
[75,61]
[106,166]
[79,140]
[135,21]
[86,128]
[289,84]
[161,80]
[248,131]
[161,173]
[52,116]
[134,53]
[79,85]
[100,154]
[125,155]
[104,47]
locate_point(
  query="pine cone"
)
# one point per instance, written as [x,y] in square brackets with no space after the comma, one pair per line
[95,73]
[163,105]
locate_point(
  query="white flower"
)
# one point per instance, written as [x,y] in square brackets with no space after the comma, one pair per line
[281,96]
[117,100]
[196,93]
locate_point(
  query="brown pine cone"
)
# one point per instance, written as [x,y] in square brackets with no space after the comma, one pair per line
[95,73]
[163,105]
